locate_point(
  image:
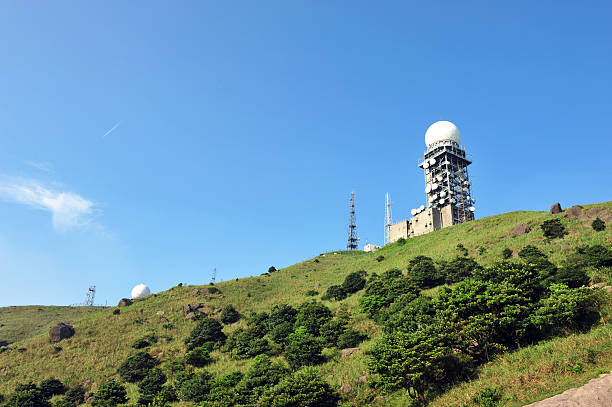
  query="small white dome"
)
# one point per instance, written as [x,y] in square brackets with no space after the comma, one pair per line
[442,130]
[140,291]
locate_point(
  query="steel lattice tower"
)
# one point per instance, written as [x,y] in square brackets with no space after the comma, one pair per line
[388,218]
[91,296]
[353,240]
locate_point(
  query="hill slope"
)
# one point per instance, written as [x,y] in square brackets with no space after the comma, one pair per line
[102,340]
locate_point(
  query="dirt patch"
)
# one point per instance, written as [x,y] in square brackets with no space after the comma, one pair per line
[596,393]
[519,230]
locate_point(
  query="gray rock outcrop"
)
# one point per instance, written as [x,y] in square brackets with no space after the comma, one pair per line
[556,208]
[61,331]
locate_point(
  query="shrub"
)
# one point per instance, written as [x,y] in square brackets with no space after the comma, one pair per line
[506,253]
[166,395]
[331,330]
[198,357]
[73,397]
[353,282]
[422,272]
[271,269]
[304,388]
[280,313]
[263,374]
[311,293]
[335,292]
[51,387]
[488,397]
[461,249]
[597,256]
[553,228]
[408,314]
[598,225]
[116,311]
[303,349]
[380,258]
[372,304]
[349,339]
[207,330]
[312,315]
[27,395]
[458,269]
[280,333]
[151,386]
[259,319]
[145,341]
[572,276]
[482,250]
[194,386]
[110,393]
[401,241]
[535,257]
[136,367]
[250,342]
[229,315]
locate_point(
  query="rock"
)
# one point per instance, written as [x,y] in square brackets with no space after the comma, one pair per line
[86,384]
[345,388]
[317,286]
[596,393]
[519,230]
[363,379]
[556,208]
[608,289]
[125,302]
[88,399]
[349,351]
[573,212]
[160,313]
[190,315]
[192,308]
[61,331]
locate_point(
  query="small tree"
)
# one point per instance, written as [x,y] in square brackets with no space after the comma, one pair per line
[194,387]
[27,395]
[207,330]
[304,388]
[598,225]
[312,315]
[110,393]
[151,386]
[198,357]
[51,387]
[380,258]
[136,367]
[353,282]
[506,253]
[303,349]
[422,271]
[335,292]
[461,249]
[272,269]
[73,397]
[229,315]
[553,228]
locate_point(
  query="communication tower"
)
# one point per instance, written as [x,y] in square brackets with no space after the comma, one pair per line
[214,276]
[353,240]
[388,218]
[91,296]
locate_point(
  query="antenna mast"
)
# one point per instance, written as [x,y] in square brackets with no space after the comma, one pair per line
[214,276]
[91,296]
[388,218]
[353,240]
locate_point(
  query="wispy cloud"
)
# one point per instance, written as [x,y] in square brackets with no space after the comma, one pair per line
[68,210]
[113,128]
[40,165]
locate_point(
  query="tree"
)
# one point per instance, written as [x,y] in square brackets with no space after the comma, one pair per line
[423,273]
[281,313]
[198,357]
[137,367]
[27,395]
[229,315]
[312,315]
[250,342]
[598,225]
[207,330]
[151,386]
[331,331]
[51,387]
[262,375]
[194,386]
[553,228]
[572,276]
[353,282]
[73,397]
[458,269]
[303,349]
[271,269]
[305,388]
[506,253]
[596,256]
[334,292]
[109,394]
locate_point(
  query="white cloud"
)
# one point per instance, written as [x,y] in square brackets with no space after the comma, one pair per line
[68,210]
[40,165]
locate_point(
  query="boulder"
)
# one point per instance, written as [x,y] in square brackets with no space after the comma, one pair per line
[125,302]
[317,286]
[349,351]
[574,212]
[363,379]
[61,331]
[556,208]
[519,230]
[346,388]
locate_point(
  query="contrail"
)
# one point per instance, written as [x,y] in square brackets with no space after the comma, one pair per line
[111,130]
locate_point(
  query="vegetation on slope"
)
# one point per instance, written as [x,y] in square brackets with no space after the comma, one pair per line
[102,341]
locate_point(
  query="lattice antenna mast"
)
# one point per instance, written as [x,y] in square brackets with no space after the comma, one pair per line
[388,218]
[353,240]
[91,296]
[213,279]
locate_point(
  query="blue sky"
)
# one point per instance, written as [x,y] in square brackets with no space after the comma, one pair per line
[240,128]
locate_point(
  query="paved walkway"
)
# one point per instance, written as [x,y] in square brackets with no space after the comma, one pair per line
[596,393]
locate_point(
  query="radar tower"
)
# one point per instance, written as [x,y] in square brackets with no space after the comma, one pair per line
[353,240]
[91,296]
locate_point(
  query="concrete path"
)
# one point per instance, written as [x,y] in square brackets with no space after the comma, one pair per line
[596,393]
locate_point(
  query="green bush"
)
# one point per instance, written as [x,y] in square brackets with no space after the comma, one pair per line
[51,387]
[488,397]
[151,386]
[304,389]
[198,357]
[553,228]
[401,241]
[350,339]
[229,315]
[312,315]
[380,258]
[73,397]
[335,292]
[271,269]
[280,333]
[354,282]
[408,314]
[260,320]
[331,330]
[262,375]
[303,349]
[137,367]
[207,330]
[311,293]
[166,395]
[423,272]
[27,395]
[194,386]
[596,256]
[506,253]
[482,250]
[461,249]
[145,341]
[280,313]
[109,394]
[598,225]
[458,269]
[572,276]
[250,342]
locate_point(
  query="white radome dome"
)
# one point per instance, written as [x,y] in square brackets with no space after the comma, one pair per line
[440,131]
[140,291]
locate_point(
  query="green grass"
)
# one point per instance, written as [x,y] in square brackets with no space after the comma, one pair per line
[20,323]
[103,340]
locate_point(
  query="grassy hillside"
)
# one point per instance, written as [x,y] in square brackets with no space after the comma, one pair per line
[20,323]
[102,340]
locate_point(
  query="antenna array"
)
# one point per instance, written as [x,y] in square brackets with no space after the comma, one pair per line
[91,296]
[388,218]
[353,240]
[214,276]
